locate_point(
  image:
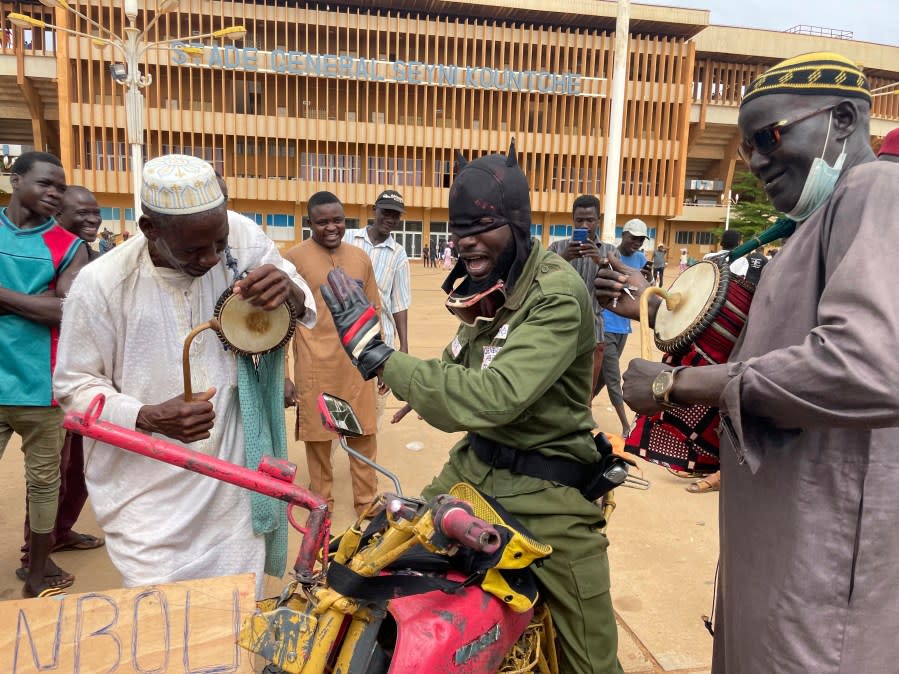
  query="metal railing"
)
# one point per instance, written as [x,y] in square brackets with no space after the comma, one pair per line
[820,31]
[724,83]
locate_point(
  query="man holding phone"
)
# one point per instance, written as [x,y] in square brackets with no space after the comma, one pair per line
[584,253]
[633,236]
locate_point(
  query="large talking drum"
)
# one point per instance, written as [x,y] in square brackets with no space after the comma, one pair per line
[708,318]
[698,324]
[244,328]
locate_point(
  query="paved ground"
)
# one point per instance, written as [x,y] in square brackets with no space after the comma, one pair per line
[664,541]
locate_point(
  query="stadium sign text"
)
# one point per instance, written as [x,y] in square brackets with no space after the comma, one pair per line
[349,67]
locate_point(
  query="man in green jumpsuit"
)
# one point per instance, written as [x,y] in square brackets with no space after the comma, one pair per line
[516,376]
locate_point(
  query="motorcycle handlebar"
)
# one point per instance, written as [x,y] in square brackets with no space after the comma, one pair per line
[466,529]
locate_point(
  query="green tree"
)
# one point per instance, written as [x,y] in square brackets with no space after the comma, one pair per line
[752,213]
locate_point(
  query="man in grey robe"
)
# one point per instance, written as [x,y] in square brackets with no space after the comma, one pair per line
[809,576]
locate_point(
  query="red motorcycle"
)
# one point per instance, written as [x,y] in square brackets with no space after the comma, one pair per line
[438,586]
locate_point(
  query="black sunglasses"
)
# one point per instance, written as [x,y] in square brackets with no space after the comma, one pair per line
[767,139]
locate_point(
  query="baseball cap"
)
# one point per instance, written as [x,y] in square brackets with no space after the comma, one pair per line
[635,227]
[391,200]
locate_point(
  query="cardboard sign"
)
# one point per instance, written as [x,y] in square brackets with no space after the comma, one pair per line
[189,627]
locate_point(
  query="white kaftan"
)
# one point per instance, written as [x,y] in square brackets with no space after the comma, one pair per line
[124,324]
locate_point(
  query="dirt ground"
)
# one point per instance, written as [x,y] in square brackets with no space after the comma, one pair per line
[663,541]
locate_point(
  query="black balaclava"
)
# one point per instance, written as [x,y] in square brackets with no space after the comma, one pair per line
[491,187]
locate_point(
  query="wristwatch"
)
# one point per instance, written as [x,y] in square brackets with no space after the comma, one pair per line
[662,385]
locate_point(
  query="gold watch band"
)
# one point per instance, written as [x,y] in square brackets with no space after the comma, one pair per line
[666,397]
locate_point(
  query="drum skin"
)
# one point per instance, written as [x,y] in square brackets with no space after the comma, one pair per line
[700,290]
[713,307]
[249,330]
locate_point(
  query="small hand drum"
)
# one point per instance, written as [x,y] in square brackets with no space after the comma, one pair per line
[244,328]
[249,330]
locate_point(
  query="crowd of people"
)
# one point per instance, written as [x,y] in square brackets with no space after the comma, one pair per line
[808,399]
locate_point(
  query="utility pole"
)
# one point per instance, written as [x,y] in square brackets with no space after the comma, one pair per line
[616,122]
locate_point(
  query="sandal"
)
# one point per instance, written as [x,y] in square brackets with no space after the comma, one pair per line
[78,541]
[46,593]
[53,574]
[704,485]
[48,588]
[684,474]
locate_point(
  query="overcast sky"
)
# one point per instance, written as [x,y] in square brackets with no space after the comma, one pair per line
[869,20]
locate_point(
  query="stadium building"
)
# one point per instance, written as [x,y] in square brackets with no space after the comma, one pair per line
[355,98]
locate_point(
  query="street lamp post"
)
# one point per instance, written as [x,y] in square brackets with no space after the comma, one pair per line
[132,47]
[730,201]
[616,121]
[134,100]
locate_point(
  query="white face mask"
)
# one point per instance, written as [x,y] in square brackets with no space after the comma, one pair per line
[819,182]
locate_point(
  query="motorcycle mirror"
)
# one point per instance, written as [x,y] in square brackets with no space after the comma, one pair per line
[338,416]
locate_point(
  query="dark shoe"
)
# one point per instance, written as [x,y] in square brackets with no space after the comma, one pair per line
[53,574]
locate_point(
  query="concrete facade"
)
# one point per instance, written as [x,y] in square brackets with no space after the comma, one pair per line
[355,100]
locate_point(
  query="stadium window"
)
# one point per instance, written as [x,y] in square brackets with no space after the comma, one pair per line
[279,226]
[441,173]
[557,232]
[408,235]
[109,214]
[438,232]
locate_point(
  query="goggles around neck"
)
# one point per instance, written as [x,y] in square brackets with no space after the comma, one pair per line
[767,139]
[482,306]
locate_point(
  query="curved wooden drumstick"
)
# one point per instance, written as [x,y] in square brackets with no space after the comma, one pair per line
[185,356]
[672,300]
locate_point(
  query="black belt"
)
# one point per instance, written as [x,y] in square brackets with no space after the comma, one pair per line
[585,477]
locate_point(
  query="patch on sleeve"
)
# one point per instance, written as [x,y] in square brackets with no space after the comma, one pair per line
[489,354]
[456,347]
[503,332]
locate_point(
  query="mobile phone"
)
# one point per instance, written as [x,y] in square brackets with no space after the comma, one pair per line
[616,473]
[580,235]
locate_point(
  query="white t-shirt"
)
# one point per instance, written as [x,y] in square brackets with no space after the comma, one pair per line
[738,267]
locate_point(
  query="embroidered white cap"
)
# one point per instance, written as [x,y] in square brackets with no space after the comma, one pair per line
[176,184]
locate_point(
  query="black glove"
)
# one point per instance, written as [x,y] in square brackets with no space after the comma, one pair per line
[356,320]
